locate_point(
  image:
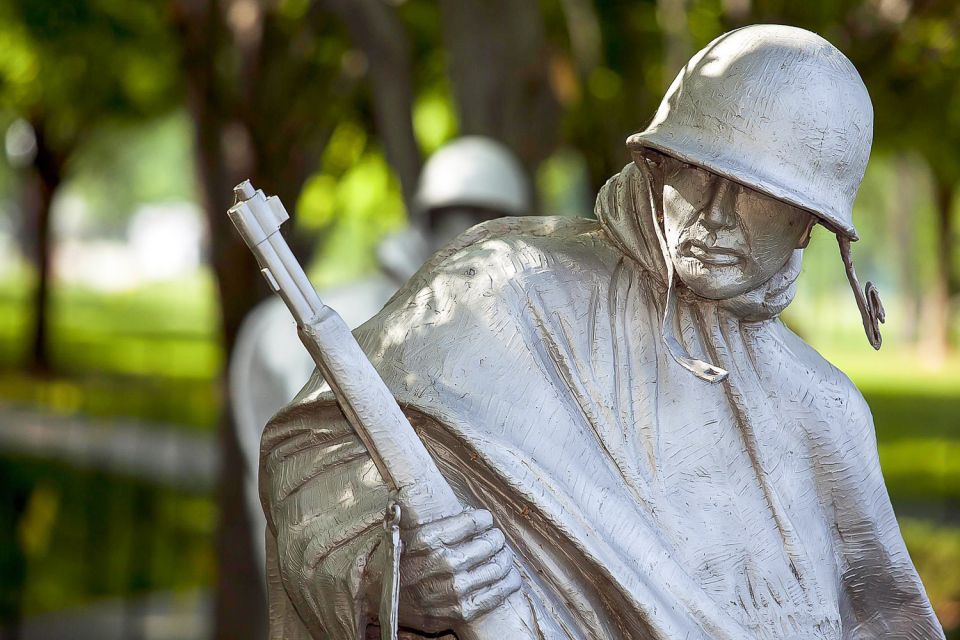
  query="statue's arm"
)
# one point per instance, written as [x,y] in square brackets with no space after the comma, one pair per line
[325,502]
[880,582]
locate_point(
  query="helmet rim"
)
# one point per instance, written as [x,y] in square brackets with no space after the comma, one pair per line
[726,167]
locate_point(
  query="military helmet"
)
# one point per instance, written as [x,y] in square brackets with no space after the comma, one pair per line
[473,171]
[776,108]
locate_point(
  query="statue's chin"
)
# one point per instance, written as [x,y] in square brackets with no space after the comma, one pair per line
[711,293]
[715,286]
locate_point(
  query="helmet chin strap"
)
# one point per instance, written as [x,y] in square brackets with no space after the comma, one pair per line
[868,300]
[703,370]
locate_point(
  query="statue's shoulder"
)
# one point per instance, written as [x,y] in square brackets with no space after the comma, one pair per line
[510,234]
[493,275]
[839,399]
[529,227]
[507,249]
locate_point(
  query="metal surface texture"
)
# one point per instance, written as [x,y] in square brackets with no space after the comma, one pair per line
[781,111]
[269,365]
[642,449]
[430,505]
[776,108]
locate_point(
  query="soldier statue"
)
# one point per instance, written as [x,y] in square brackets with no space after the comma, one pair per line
[643,449]
[469,180]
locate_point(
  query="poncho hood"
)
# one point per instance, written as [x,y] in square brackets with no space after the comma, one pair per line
[641,501]
[625,212]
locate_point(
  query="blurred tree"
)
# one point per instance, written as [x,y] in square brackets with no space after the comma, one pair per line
[258,115]
[376,30]
[508,96]
[674,20]
[267,84]
[611,87]
[68,67]
[126,165]
[912,71]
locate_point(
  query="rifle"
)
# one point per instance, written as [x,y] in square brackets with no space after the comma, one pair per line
[370,408]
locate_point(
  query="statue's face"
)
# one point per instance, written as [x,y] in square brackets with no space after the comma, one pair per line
[724,238]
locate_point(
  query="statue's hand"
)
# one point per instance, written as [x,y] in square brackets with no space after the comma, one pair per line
[454,570]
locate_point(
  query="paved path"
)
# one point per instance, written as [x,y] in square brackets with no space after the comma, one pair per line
[157,616]
[160,453]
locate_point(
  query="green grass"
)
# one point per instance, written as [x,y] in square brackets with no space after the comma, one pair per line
[916,410]
[70,536]
[75,536]
[165,330]
[935,550]
[152,353]
[178,402]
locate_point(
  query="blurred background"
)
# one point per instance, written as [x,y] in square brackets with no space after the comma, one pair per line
[125,126]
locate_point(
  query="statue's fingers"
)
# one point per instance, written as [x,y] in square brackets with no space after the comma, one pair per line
[446,562]
[448,531]
[437,605]
[470,582]
[491,597]
[472,553]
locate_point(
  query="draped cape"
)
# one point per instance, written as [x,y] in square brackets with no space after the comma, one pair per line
[640,500]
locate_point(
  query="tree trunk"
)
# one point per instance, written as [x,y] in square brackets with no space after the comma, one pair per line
[939,317]
[903,221]
[500,76]
[244,77]
[376,29]
[241,591]
[223,159]
[583,27]
[672,16]
[47,169]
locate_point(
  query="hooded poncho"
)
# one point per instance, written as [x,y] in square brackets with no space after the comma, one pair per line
[640,500]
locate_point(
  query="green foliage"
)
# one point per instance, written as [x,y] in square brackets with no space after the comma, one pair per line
[368,204]
[75,536]
[73,63]
[564,186]
[920,71]
[434,119]
[351,203]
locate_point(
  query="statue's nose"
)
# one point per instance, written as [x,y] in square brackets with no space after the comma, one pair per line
[720,211]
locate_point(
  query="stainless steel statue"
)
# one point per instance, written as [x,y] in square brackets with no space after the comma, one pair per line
[467,181]
[643,449]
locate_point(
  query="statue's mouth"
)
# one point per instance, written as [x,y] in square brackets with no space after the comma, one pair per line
[718,256]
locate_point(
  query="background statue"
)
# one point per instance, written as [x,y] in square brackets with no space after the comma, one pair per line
[648,451]
[470,180]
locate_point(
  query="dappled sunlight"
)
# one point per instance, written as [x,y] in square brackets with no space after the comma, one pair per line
[125,126]
[433,302]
